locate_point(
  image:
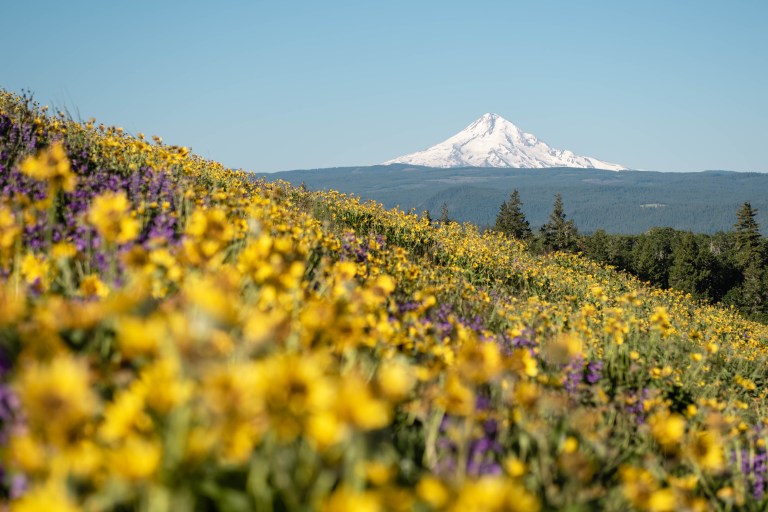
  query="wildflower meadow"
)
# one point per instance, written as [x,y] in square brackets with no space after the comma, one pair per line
[178,336]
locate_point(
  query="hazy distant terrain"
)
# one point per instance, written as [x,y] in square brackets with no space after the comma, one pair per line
[619,202]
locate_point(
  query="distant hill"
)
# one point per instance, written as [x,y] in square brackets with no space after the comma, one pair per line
[619,202]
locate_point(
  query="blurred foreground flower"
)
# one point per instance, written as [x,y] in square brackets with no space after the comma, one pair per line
[110,215]
[51,165]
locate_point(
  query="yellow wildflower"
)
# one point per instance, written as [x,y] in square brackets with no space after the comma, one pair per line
[326,429]
[57,397]
[493,493]
[523,363]
[479,362]
[377,472]
[514,466]
[51,164]
[166,387]
[637,485]
[26,453]
[395,379]
[562,349]
[668,429]
[433,492]
[345,500]
[685,483]
[110,215]
[598,293]
[660,321]
[63,250]
[92,286]
[210,229]
[570,445]
[35,268]
[51,497]
[84,459]
[136,458]
[662,500]
[12,304]
[125,414]
[526,394]
[9,230]
[359,407]
[138,337]
[457,398]
[706,450]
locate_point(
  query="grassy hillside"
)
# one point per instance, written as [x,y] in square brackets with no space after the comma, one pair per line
[176,336]
[626,202]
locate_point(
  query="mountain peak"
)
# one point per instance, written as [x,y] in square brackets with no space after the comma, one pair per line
[492,141]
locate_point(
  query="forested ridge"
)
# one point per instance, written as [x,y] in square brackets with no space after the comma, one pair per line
[728,267]
[626,202]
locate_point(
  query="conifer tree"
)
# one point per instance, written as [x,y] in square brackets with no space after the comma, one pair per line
[558,233]
[511,219]
[653,256]
[754,292]
[747,237]
[690,272]
[752,295]
[444,218]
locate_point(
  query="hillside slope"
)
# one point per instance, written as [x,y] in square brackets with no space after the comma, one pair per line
[176,336]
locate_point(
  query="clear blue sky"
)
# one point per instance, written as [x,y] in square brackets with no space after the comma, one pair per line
[265,86]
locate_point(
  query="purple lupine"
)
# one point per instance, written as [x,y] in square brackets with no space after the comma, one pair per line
[759,469]
[11,417]
[477,324]
[483,453]
[754,463]
[525,340]
[574,374]
[594,372]
[18,487]
[10,408]
[349,247]
[443,323]
[637,408]
[159,189]
[405,307]
[447,449]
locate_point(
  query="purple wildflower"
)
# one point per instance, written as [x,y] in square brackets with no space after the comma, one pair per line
[594,371]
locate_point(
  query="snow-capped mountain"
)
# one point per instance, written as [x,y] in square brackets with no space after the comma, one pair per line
[492,141]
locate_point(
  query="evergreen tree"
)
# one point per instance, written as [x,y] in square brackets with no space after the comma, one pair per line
[653,256]
[747,237]
[751,297]
[559,234]
[754,292]
[596,246]
[689,271]
[444,218]
[511,220]
[725,272]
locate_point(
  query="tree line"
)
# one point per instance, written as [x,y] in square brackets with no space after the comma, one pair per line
[730,268]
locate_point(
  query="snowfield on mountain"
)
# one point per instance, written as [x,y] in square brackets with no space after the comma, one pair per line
[492,141]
